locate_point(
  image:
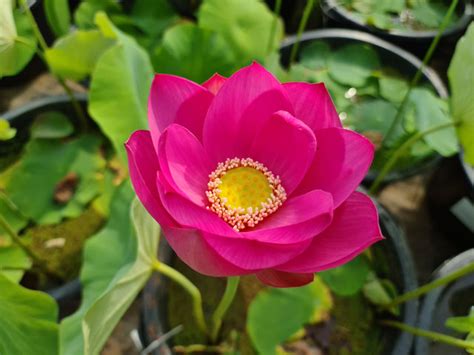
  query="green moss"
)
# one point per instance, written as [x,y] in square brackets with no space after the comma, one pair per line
[60,245]
[355,331]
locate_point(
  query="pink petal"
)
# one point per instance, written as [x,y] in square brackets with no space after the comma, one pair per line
[252,254]
[340,164]
[229,244]
[246,99]
[192,216]
[313,105]
[354,228]
[191,247]
[143,166]
[276,278]
[176,100]
[286,146]
[300,218]
[184,163]
[215,83]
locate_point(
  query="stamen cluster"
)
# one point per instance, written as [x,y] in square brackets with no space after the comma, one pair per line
[238,217]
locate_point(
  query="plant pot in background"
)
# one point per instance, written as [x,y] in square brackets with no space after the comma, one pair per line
[394,252]
[450,200]
[454,300]
[390,56]
[68,295]
[416,42]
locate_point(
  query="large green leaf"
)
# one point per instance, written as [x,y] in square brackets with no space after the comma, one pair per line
[58,16]
[461,79]
[100,266]
[193,52]
[74,56]
[431,111]
[353,64]
[276,314]
[348,279]
[245,25]
[45,165]
[17,41]
[120,84]
[13,262]
[105,313]
[153,17]
[27,321]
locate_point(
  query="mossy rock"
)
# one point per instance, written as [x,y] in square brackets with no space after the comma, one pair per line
[60,245]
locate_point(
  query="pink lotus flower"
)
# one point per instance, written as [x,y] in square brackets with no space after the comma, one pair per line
[250,176]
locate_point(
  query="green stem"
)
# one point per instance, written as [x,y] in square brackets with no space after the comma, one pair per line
[44,47]
[416,293]
[274,25]
[419,72]
[17,240]
[193,291]
[226,301]
[34,25]
[389,164]
[304,20]
[437,337]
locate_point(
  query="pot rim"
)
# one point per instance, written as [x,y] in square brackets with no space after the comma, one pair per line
[431,299]
[410,35]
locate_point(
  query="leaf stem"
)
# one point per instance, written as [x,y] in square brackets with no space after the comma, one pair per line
[434,336]
[41,52]
[304,20]
[465,270]
[387,167]
[419,72]
[17,240]
[276,12]
[193,291]
[226,301]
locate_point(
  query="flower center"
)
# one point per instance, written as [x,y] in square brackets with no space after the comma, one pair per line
[243,192]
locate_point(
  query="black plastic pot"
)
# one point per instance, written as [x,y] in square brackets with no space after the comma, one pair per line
[393,251]
[391,56]
[414,41]
[453,300]
[67,295]
[450,200]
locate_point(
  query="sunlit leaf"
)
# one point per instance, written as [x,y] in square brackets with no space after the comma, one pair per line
[120,86]
[6,132]
[17,41]
[74,56]
[13,262]
[461,77]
